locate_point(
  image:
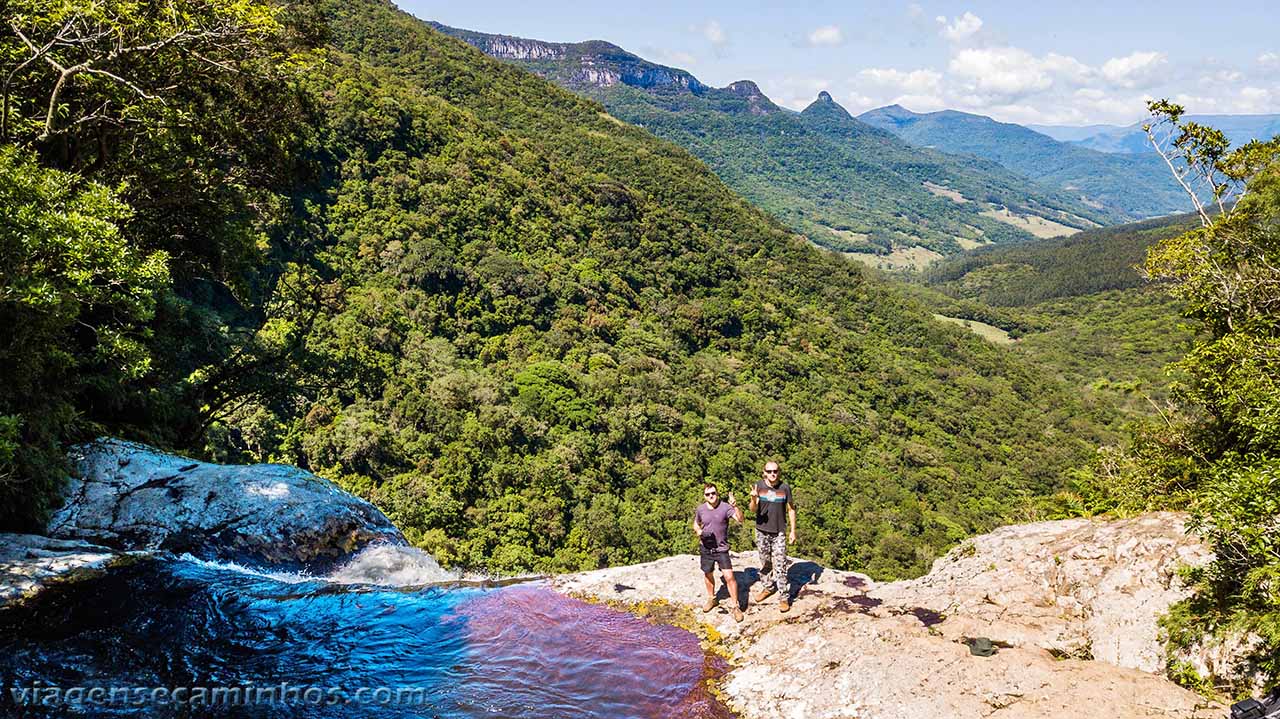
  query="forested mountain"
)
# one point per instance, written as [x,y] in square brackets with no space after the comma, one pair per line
[1078,307]
[841,183]
[1138,186]
[1086,263]
[524,329]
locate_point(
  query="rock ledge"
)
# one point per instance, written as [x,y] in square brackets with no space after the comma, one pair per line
[1071,605]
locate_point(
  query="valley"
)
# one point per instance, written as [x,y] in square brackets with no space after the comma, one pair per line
[841,182]
[339,295]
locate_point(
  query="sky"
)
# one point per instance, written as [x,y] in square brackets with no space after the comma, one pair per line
[1065,63]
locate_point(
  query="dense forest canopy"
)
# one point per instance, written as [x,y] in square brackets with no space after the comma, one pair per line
[524,329]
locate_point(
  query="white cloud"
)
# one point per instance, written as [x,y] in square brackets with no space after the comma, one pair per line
[1067,68]
[796,92]
[715,34]
[911,82]
[826,35]
[857,103]
[1255,99]
[1137,69]
[1221,77]
[961,28]
[1003,72]
[1014,84]
[673,58]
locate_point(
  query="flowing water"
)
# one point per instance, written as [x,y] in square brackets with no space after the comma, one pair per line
[185,638]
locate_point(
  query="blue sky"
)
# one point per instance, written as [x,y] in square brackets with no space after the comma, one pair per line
[1063,63]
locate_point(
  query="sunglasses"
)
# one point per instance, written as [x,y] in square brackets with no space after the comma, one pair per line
[709,494]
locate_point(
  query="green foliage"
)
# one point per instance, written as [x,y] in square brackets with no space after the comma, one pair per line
[841,183]
[1219,441]
[186,110]
[1081,310]
[74,296]
[528,331]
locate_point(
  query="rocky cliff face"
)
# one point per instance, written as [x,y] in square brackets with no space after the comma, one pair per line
[514,48]
[593,64]
[1071,607]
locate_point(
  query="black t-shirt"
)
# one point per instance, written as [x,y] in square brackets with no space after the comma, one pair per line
[771,511]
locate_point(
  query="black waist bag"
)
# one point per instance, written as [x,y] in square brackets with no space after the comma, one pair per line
[1267,708]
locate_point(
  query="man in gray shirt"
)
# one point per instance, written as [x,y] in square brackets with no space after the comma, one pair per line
[711,525]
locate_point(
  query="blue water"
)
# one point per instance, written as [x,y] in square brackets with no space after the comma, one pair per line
[438,651]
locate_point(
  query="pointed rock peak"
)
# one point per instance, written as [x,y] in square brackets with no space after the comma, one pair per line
[825,107]
[745,88]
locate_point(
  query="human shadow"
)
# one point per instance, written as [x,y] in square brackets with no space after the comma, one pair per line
[800,574]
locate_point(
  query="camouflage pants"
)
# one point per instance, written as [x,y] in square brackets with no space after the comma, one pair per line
[773,556]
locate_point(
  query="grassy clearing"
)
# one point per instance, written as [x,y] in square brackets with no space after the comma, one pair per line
[991,333]
[1038,226]
[902,258]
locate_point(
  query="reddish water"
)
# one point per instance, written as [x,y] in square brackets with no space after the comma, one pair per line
[534,652]
[516,652]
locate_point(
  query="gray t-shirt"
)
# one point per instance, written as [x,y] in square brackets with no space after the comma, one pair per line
[715,526]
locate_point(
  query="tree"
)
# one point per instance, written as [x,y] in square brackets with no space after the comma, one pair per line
[1201,159]
[1221,437]
[74,298]
[83,65]
[187,110]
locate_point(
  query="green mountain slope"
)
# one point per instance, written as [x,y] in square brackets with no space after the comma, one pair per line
[1077,307]
[544,328]
[838,181]
[1094,261]
[1139,186]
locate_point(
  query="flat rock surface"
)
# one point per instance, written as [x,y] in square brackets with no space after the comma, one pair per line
[30,562]
[1071,605]
[130,496]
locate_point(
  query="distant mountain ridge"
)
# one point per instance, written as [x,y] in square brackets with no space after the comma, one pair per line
[839,181]
[1239,129]
[1140,186]
[592,63]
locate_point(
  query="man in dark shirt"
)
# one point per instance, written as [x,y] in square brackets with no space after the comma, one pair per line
[711,524]
[771,501]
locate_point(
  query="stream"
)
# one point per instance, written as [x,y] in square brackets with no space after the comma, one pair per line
[389,634]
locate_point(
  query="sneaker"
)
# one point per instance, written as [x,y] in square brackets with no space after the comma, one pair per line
[737,614]
[784,606]
[763,594]
[710,604]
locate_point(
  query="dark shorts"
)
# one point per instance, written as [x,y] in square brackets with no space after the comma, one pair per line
[711,560]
